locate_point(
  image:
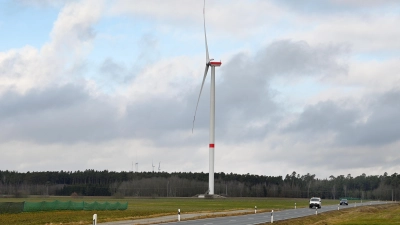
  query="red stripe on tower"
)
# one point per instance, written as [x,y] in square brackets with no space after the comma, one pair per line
[211,145]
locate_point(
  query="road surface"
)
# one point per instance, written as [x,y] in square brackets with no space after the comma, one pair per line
[258,218]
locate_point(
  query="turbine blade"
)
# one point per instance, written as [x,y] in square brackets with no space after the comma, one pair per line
[205,35]
[202,84]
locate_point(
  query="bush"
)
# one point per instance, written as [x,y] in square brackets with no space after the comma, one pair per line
[74,195]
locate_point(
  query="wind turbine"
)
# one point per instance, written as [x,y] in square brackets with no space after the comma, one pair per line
[212,64]
[159,166]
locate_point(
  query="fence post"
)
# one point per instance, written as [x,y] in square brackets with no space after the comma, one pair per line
[94,219]
[272,216]
[255,209]
[179,214]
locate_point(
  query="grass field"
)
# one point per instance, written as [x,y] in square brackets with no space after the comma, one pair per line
[146,207]
[366,215]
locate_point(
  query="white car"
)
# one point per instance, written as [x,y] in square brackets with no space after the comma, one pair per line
[315,202]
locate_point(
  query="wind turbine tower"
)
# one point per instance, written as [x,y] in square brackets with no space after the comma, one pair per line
[212,64]
[159,167]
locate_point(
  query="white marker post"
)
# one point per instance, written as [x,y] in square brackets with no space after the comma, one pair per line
[255,209]
[316,210]
[179,214]
[272,216]
[295,206]
[94,219]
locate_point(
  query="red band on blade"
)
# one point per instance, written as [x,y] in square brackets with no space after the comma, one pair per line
[211,145]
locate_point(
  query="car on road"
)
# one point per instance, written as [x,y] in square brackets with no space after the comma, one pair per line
[315,202]
[343,202]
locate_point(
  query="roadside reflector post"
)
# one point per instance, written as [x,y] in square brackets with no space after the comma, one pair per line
[295,206]
[255,209]
[94,219]
[272,216]
[179,214]
[316,210]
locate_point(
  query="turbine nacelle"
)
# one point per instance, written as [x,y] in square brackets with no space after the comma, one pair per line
[211,63]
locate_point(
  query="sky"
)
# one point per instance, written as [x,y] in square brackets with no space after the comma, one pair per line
[306,86]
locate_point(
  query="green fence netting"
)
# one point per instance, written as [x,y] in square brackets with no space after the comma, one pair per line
[11,207]
[70,205]
[49,206]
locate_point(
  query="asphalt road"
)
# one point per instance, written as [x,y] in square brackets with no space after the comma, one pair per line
[260,218]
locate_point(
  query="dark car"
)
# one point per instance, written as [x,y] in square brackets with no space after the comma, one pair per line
[344,202]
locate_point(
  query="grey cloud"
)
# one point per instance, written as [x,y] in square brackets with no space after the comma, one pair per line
[246,109]
[83,31]
[382,125]
[8,65]
[114,72]
[58,114]
[13,104]
[380,128]
[324,117]
[245,96]
[298,58]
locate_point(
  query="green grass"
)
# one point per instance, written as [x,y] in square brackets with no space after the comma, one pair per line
[366,215]
[146,207]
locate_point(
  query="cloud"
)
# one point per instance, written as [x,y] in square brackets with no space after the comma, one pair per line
[155,106]
[380,126]
[370,33]
[73,29]
[370,124]
[113,71]
[64,114]
[26,68]
[240,18]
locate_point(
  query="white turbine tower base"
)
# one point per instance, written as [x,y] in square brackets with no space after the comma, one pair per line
[209,62]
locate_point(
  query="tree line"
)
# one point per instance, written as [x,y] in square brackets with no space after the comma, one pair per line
[187,184]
